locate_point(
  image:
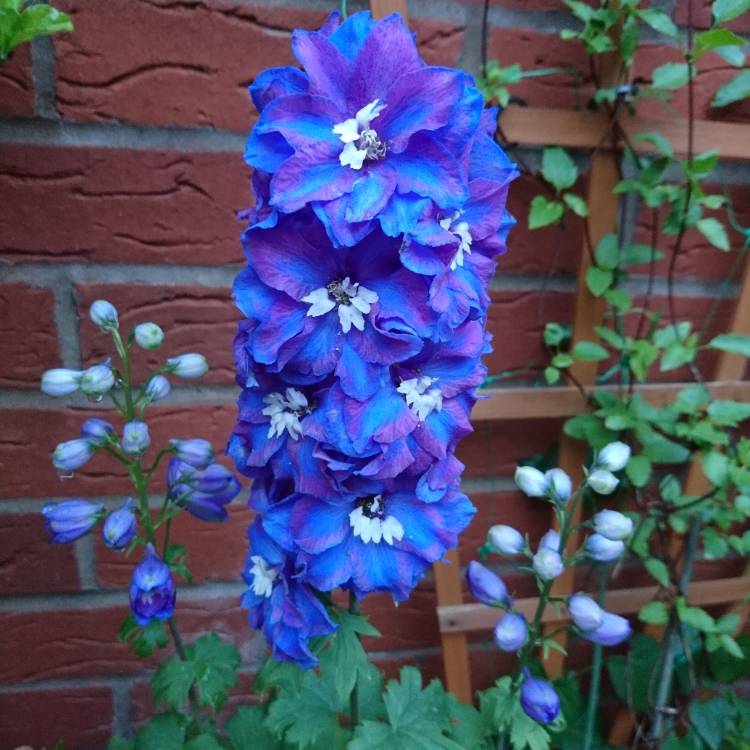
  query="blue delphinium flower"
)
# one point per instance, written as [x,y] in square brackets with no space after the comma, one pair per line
[539,699]
[70,519]
[120,526]
[202,492]
[135,437]
[72,454]
[486,586]
[97,431]
[152,589]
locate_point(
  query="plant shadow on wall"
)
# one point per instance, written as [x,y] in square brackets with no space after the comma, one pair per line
[380,198]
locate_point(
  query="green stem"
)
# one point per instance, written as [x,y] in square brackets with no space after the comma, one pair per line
[354,697]
[596,673]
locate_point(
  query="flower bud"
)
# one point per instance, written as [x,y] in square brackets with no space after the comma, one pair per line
[547,564]
[613,525]
[60,381]
[585,612]
[152,590]
[188,365]
[486,587]
[560,485]
[603,549]
[531,481]
[135,437]
[97,380]
[157,388]
[613,630]
[510,632]
[96,430]
[202,492]
[104,314]
[551,540]
[602,481]
[613,456]
[539,700]
[72,454]
[70,519]
[148,335]
[196,452]
[120,526]
[505,540]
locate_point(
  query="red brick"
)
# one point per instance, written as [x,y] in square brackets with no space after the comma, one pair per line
[529,5]
[29,563]
[215,551]
[28,335]
[701,12]
[107,205]
[83,642]
[193,318]
[30,436]
[194,60]
[16,86]
[80,717]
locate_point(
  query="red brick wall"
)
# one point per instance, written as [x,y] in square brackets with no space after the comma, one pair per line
[120,175]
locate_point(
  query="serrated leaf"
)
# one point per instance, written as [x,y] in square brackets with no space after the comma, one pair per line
[204,742]
[285,675]
[544,212]
[726,10]
[344,656]
[654,613]
[734,91]
[598,280]
[527,733]
[246,730]
[163,732]
[172,682]
[670,76]
[215,666]
[589,351]
[558,168]
[734,343]
[715,232]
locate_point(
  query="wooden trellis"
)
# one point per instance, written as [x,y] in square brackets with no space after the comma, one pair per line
[532,126]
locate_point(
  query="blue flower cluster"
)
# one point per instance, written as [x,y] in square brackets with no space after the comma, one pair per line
[380,207]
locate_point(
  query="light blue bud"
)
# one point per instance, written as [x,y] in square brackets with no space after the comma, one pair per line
[613,456]
[135,437]
[197,452]
[551,540]
[120,526]
[612,631]
[104,314]
[148,335]
[539,699]
[158,388]
[531,481]
[505,540]
[585,612]
[188,365]
[603,549]
[96,430]
[547,564]
[602,481]
[560,485]
[97,380]
[613,525]
[72,454]
[60,381]
[486,587]
[510,632]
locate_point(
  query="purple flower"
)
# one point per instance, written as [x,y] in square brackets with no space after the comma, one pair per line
[612,631]
[72,454]
[202,492]
[152,589]
[603,549]
[135,437]
[60,381]
[585,612]
[539,699]
[97,430]
[195,452]
[279,603]
[70,519]
[487,587]
[157,388]
[120,526]
[510,632]
[367,120]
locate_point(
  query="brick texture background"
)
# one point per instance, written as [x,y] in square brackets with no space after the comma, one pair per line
[120,176]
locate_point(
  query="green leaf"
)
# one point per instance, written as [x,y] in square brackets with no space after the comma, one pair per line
[662,145]
[527,733]
[172,682]
[670,76]
[715,232]
[736,90]
[704,163]
[607,252]
[598,280]
[466,724]
[163,732]
[659,571]
[576,204]
[556,334]
[726,668]
[558,168]
[631,674]
[33,22]
[204,742]
[733,55]
[589,351]
[562,360]
[551,375]
[144,639]
[638,470]
[715,467]
[636,255]
[654,613]
[285,675]
[714,38]
[726,10]
[729,413]
[709,719]
[215,664]
[678,354]
[118,743]
[544,212]
[696,617]
[659,20]
[247,730]
[734,343]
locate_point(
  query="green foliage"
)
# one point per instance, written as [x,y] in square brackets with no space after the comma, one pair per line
[631,674]
[246,729]
[145,640]
[544,212]
[502,706]
[20,24]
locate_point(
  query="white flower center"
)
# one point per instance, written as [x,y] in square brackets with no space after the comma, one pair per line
[360,140]
[352,300]
[370,524]
[420,398]
[284,412]
[461,230]
[263,576]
